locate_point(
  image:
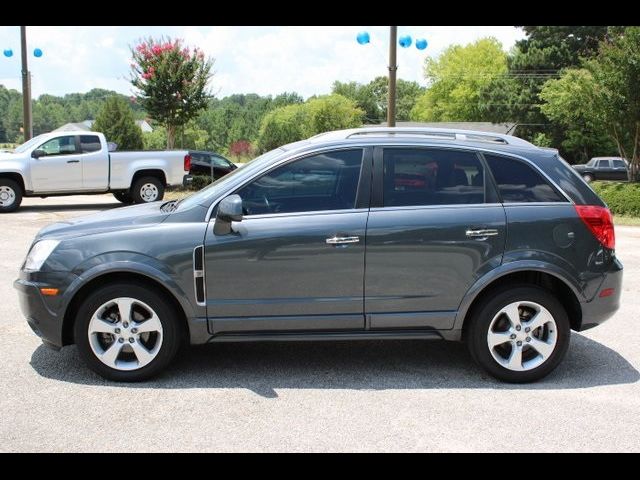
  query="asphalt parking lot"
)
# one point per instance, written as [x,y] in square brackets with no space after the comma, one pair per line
[360,396]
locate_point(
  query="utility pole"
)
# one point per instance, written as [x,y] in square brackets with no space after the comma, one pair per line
[26,88]
[393,67]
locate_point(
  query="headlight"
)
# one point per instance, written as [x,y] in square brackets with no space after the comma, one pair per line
[39,253]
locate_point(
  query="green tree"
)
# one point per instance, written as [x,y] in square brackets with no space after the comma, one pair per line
[604,96]
[156,140]
[364,97]
[281,126]
[456,79]
[116,121]
[171,82]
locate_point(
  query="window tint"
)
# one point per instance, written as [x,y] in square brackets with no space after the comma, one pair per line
[619,164]
[520,183]
[420,176]
[89,143]
[328,181]
[199,157]
[604,164]
[60,146]
[219,162]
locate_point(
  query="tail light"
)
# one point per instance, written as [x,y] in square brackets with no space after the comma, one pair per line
[187,162]
[600,222]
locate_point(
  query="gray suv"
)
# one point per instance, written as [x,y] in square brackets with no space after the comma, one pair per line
[370,233]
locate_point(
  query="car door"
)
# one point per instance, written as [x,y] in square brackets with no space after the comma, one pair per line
[620,170]
[95,164]
[60,168]
[604,170]
[296,260]
[435,226]
[221,166]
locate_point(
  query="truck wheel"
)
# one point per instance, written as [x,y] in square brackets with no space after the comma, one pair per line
[10,195]
[124,197]
[147,189]
[127,332]
[587,177]
[519,333]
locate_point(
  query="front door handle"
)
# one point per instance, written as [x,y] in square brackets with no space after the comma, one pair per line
[73,161]
[481,232]
[336,240]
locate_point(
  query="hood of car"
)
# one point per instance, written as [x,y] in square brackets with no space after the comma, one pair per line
[124,218]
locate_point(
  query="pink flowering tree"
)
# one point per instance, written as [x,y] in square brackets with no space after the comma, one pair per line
[170,81]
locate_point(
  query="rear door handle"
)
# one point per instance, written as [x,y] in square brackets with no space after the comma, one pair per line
[73,161]
[481,232]
[336,240]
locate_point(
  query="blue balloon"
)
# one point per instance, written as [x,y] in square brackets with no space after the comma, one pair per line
[421,44]
[363,37]
[37,52]
[8,53]
[405,41]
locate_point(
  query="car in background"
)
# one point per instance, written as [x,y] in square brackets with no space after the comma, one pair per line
[202,163]
[604,168]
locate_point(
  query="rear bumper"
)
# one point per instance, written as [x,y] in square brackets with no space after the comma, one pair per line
[600,309]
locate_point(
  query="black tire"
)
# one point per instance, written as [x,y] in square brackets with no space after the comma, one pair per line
[137,190]
[587,177]
[478,329]
[173,333]
[11,189]
[123,197]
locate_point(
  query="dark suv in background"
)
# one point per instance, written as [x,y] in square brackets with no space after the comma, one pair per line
[210,164]
[604,168]
[370,233]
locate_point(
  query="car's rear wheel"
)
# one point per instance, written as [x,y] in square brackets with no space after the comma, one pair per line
[127,332]
[10,195]
[519,334]
[124,197]
[147,189]
[588,177]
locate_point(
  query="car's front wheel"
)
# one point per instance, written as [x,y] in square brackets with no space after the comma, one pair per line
[127,332]
[10,195]
[519,334]
[123,197]
[588,177]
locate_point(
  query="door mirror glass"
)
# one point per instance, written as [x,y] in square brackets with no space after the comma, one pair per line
[229,210]
[37,153]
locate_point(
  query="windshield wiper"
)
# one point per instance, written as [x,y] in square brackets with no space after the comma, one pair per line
[169,206]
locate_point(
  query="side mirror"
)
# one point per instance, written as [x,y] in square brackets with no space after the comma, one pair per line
[37,153]
[229,210]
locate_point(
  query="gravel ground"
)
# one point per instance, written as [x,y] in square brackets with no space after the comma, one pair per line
[359,396]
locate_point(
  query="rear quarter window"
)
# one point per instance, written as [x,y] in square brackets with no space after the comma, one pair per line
[520,183]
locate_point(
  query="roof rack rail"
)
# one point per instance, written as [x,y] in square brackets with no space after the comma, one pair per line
[425,132]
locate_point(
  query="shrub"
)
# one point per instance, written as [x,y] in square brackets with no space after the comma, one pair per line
[199,182]
[621,197]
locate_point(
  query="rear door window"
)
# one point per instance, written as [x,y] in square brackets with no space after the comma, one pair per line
[518,182]
[619,164]
[89,143]
[424,176]
[604,164]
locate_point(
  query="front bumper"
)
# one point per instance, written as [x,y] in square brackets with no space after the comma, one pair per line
[187,180]
[600,309]
[44,314]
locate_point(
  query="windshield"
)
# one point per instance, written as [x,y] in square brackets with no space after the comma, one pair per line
[591,162]
[203,196]
[29,143]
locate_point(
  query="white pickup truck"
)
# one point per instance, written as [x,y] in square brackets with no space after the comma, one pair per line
[78,163]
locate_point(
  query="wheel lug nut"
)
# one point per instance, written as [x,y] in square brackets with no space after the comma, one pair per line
[121,340]
[117,330]
[513,336]
[528,339]
[518,327]
[125,324]
[134,330]
[131,340]
[528,329]
[519,343]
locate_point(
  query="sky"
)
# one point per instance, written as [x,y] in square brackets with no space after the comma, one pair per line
[263,60]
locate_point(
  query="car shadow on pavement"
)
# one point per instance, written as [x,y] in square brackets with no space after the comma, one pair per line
[361,365]
[68,207]
[367,365]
